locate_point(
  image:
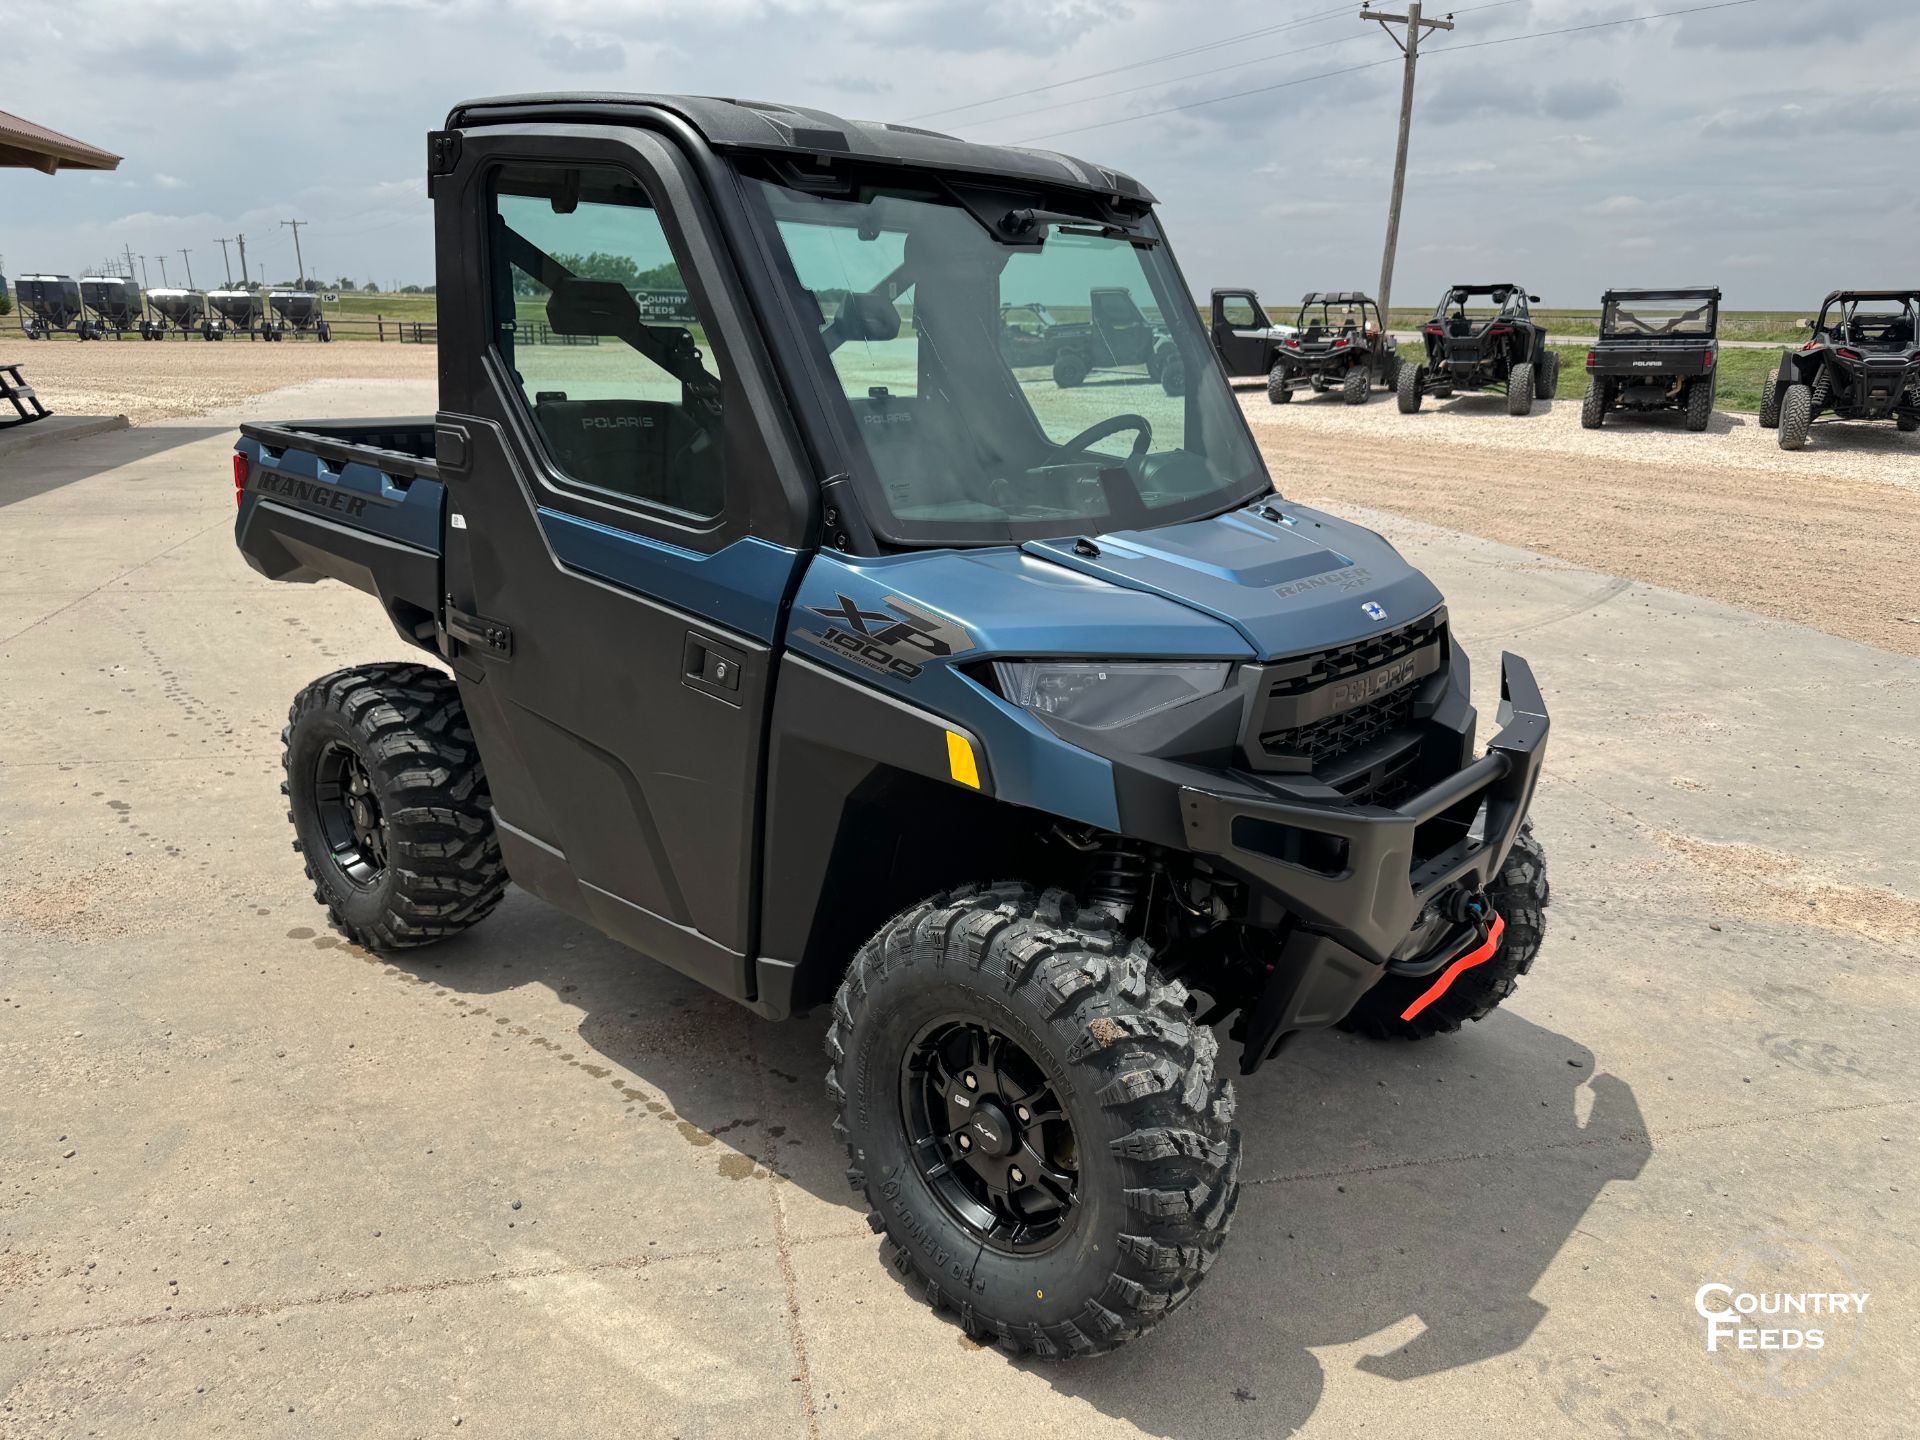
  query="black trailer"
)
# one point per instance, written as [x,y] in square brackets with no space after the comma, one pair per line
[1657,350]
[48,304]
[114,301]
[182,310]
[1863,363]
[237,309]
[298,312]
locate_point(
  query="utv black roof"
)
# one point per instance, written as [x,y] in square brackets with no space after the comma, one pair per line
[1482,289]
[1336,297]
[795,130]
[1678,292]
[1839,295]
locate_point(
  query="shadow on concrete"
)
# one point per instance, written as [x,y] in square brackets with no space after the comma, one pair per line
[30,470]
[1402,1199]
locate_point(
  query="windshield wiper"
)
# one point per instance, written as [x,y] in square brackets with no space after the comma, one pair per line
[1018,225]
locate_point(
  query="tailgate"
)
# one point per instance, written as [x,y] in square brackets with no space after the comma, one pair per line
[1620,360]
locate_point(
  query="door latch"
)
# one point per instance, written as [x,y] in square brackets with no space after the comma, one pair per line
[476,630]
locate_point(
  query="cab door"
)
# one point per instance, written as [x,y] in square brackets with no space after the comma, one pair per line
[626,512]
[1239,326]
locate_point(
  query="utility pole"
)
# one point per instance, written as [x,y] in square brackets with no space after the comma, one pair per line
[1410,47]
[189,264]
[300,281]
[245,283]
[163,269]
[228,264]
[143,272]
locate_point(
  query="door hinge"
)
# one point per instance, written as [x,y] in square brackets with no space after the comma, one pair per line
[476,630]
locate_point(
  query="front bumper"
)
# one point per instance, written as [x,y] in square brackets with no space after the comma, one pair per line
[1352,876]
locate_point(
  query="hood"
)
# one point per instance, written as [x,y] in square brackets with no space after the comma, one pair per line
[1299,581]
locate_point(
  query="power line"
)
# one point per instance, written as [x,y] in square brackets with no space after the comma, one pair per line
[1391,60]
[1158,84]
[1293,24]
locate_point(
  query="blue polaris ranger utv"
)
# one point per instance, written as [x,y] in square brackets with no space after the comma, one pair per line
[785,632]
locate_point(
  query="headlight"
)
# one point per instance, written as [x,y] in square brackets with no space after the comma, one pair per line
[1101,694]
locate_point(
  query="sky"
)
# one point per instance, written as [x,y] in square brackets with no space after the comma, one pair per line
[1769,147]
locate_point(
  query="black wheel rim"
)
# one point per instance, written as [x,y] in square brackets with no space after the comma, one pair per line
[990,1136]
[349,812]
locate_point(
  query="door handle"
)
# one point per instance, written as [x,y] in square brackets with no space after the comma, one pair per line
[710,666]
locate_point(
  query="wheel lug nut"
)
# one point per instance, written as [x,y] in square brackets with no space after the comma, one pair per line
[1013,1174]
[966,1142]
[1021,1111]
[971,1081]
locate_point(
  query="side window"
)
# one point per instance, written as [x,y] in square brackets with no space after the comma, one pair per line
[1238,311]
[606,344]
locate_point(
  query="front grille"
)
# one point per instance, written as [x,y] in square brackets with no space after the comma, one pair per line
[1328,739]
[1309,672]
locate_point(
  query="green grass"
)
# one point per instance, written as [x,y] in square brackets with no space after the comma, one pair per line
[1773,326]
[1742,374]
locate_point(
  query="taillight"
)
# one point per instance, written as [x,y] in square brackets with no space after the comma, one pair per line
[239,476]
[1846,354]
[1591,357]
[1339,344]
[1431,330]
[1501,330]
[1293,344]
[1709,362]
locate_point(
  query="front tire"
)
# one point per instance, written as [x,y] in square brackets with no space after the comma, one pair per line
[1278,391]
[390,805]
[1770,404]
[1519,894]
[1796,416]
[1082,1186]
[1070,369]
[1520,389]
[1407,388]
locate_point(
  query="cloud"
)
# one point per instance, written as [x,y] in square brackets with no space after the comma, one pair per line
[1457,101]
[584,54]
[168,182]
[1888,111]
[1617,205]
[1581,99]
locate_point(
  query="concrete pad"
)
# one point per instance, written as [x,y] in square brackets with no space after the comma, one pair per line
[1500,1233]
[16,440]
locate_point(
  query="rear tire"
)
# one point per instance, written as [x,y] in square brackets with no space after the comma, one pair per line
[1593,406]
[1407,388]
[1700,403]
[1173,375]
[1796,416]
[1770,404]
[1546,380]
[1278,391]
[1520,389]
[1045,1003]
[1909,422]
[1357,385]
[1519,895]
[390,803]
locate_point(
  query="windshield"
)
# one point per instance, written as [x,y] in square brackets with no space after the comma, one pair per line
[1659,316]
[1003,393]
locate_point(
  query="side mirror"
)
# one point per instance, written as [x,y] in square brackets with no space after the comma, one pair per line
[1533,299]
[1809,324]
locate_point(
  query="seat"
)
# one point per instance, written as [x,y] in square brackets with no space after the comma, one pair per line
[915,445]
[644,449]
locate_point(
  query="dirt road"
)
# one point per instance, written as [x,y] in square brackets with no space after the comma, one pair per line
[1829,544]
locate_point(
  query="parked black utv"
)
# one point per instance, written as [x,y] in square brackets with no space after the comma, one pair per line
[1861,364]
[1657,351]
[1341,343]
[1482,336]
[1116,335]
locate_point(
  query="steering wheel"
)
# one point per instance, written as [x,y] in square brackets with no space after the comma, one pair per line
[1093,434]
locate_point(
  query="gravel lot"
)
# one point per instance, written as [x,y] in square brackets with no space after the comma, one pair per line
[1824,538]
[147,382]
